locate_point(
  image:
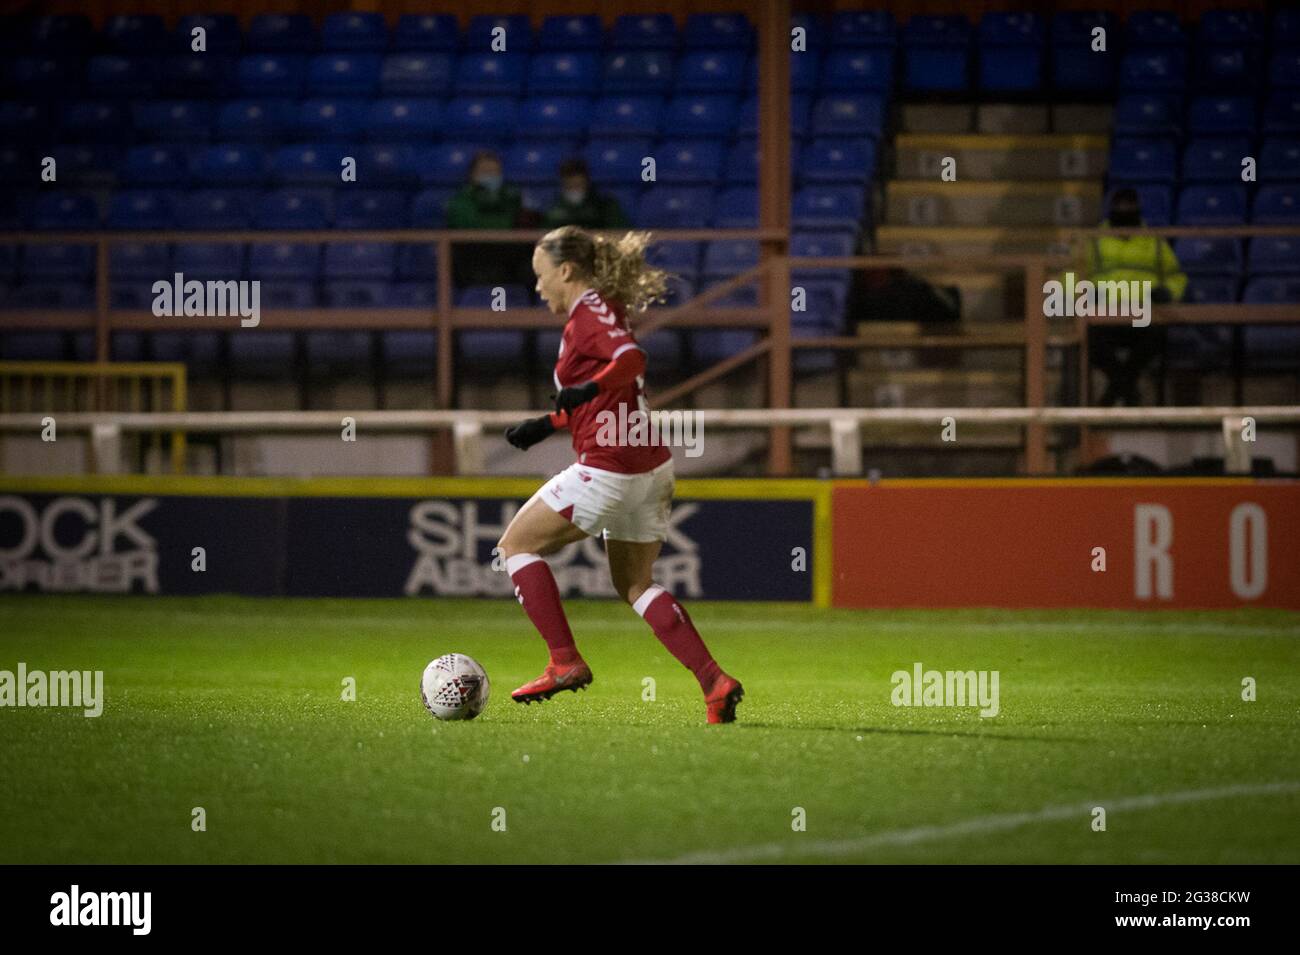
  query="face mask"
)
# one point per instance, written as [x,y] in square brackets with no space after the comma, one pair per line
[574,196]
[490,183]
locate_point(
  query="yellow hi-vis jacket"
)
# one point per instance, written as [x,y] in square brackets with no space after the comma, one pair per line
[1137,258]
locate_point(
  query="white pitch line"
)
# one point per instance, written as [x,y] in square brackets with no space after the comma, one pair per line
[979,825]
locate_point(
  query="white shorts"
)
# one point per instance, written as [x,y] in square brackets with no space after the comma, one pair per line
[621,507]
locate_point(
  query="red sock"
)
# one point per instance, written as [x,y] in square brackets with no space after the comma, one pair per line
[672,625]
[535,587]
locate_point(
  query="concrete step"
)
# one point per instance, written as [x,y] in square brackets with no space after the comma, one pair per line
[1046,156]
[938,118]
[971,240]
[1012,118]
[1082,118]
[1063,203]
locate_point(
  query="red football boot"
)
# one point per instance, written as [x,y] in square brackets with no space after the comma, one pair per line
[721,700]
[573,676]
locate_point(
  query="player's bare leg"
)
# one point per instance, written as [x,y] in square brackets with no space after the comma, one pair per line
[536,531]
[631,568]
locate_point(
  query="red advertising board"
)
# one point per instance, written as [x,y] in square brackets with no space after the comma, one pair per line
[1162,543]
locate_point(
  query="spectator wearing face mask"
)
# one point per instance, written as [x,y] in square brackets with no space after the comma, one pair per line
[486,201]
[580,204]
[1122,352]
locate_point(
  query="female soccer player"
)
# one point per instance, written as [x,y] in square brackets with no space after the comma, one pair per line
[618,490]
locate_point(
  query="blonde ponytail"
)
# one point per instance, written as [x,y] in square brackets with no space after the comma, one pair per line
[616,267]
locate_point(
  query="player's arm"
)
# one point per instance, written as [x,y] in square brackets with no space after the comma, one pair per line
[623,368]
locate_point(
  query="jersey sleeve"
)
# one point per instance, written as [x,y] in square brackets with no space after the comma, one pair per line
[598,333]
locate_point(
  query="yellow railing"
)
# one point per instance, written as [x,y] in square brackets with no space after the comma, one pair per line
[69,387]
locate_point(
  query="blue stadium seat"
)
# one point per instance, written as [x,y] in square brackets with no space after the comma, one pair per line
[57,261]
[858,28]
[547,116]
[936,69]
[445,165]
[1154,199]
[851,160]
[482,29]
[857,70]
[727,257]
[229,209]
[87,164]
[616,160]
[1282,114]
[343,74]
[822,244]
[416,74]
[16,166]
[1277,205]
[1148,28]
[583,32]
[1076,68]
[354,31]
[952,30]
[282,33]
[1272,290]
[297,261]
[849,116]
[408,354]
[267,75]
[135,33]
[46,77]
[64,212]
[50,295]
[1233,27]
[1279,158]
[417,261]
[679,257]
[329,118]
[718,31]
[200,74]
[1212,205]
[534,163]
[741,163]
[232,164]
[200,351]
[676,207]
[90,121]
[1286,27]
[342,353]
[221,33]
[1275,254]
[638,71]
[429,208]
[177,121]
[644,31]
[1208,256]
[427,32]
[371,209]
[1226,69]
[1211,289]
[1273,348]
[293,209]
[736,208]
[708,347]
[490,74]
[1221,116]
[262,354]
[627,116]
[161,165]
[123,76]
[828,207]
[712,71]
[142,209]
[689,161]
[1214,160]
[1284,68]
[564,72]
[32,346]
[403,119]
[800,116]
[663,349]
[1011,51]
[1158,70]
[62,33]
[360,260]
[1144,160]
[209,261]
[256,120]
[486,117]
[1147,114]
[825,295]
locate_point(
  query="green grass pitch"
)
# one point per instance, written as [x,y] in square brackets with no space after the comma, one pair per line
[233,705]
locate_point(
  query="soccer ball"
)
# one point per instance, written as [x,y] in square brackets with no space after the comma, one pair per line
[454,687]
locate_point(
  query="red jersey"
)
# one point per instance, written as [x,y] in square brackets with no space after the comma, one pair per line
[595,334]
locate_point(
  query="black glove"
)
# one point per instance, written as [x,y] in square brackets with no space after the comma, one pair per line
[569,398]
[524,435]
